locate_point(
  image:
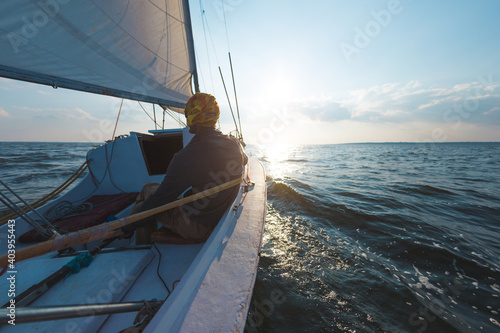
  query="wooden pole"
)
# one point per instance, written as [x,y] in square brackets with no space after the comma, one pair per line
[106,230]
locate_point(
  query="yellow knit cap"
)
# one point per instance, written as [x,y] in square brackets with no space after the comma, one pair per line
[202,109]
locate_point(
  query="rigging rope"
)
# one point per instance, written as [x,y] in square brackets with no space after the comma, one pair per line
[97,183]
[209,33]
[148,114]
[204,20]
[65,209]
[178,120]
[144,316]
[51,195]
[158,271]
[232,73]
[108,163]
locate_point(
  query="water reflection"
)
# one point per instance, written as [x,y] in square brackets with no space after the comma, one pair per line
[278,159]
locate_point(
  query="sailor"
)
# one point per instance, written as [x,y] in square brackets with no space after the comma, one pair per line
[211,158]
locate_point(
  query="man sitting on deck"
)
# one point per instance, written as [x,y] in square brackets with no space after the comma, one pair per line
[210,159]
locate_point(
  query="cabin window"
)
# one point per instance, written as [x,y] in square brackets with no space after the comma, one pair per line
[159,150]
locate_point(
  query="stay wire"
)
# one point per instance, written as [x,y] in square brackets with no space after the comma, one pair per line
[240,131]
[235,96]
[154,113]
[225,24]
[172,115]
[204,21]
[228,100]
[200,73]
[214,50]
[153,120]
[116,124]
[163,125]
[210,35]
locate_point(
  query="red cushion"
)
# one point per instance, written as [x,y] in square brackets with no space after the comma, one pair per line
[103,207]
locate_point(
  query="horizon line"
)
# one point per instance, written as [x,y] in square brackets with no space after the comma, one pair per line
[296,144]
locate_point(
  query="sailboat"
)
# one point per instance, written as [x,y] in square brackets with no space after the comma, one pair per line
[139,50]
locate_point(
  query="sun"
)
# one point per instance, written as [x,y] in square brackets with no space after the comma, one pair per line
[278,89]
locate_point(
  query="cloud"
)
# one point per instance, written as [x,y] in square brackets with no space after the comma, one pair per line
[26,108]
[63,113]
[473,102]
[496,109]
[78,114]
[321,109]
[4,114]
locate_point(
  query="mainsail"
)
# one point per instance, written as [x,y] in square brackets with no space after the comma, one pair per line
[134,49]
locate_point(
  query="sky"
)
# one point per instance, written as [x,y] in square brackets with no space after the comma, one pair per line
[312,72]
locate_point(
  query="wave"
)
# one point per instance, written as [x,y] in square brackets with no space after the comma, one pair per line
[295,160]
[324,207]
[22,179]
[474,180]
[423,189]
[279,191]
[447,281]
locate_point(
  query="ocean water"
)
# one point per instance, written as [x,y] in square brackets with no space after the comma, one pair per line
[34,169]
[380,238]
[358,237]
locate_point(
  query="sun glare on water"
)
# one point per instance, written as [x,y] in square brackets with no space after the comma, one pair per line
[277,152]
[276,155]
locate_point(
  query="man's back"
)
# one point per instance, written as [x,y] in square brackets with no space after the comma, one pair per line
[210,159]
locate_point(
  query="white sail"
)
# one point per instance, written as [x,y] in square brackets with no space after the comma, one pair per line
[140,49]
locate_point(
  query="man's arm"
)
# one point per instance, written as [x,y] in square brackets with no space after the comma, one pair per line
[173,185]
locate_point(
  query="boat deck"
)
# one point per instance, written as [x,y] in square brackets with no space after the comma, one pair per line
[210,284]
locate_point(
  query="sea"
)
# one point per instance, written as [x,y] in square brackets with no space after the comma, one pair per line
[371,237]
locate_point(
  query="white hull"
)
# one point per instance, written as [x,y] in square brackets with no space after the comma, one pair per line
[215,279]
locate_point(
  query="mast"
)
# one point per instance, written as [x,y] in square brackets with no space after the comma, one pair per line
[190,44]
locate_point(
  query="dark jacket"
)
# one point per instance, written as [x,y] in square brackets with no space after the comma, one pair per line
[210,159]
